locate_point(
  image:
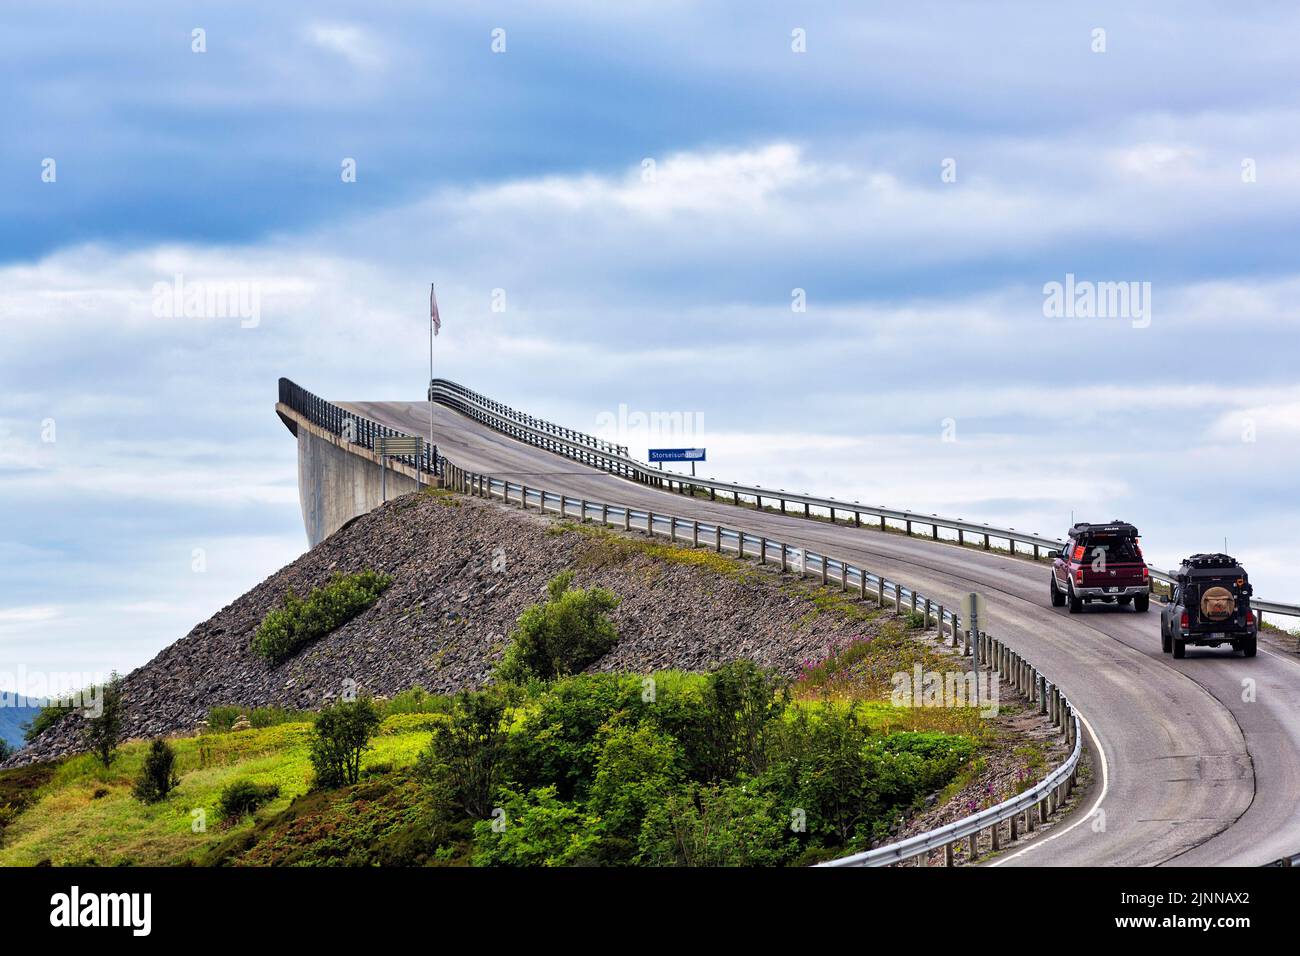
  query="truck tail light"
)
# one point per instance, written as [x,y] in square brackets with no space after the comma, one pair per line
[1250,617]
[1183,622]
[1078,576]
[1146,573]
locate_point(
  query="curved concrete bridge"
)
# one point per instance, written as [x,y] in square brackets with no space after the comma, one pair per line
[1193,774]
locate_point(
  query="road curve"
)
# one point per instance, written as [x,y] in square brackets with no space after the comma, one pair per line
[1197,774]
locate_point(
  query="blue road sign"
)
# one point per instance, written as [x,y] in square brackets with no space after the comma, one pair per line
[677,454]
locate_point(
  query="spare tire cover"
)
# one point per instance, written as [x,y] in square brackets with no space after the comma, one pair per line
[1217,604]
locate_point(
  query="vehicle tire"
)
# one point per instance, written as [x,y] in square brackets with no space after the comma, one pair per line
[1076,604]
[1142,603]
[1180,649]
[1166,645]
[1058,599]
[1248,647]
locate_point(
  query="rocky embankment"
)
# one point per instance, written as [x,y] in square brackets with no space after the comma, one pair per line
[464,569]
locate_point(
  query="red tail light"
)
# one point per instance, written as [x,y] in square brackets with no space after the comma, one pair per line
[1250,617]
[1146,574]
[1183,621]
[1078,576]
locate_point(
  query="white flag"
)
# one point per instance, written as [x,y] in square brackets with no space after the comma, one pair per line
[433,311]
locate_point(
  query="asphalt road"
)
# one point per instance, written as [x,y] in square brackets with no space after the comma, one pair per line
[1195,771]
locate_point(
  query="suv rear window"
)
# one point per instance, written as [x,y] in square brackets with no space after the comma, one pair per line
[1115,548]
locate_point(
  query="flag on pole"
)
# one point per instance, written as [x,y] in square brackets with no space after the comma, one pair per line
[433,311]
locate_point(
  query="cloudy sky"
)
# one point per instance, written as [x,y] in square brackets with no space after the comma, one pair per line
[823,235]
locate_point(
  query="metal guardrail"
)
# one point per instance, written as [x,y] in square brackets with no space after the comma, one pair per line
[1001,660]
[615,459]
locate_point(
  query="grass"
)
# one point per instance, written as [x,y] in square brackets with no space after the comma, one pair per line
[66,823]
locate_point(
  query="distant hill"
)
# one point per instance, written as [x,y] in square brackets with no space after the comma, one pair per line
[13,718]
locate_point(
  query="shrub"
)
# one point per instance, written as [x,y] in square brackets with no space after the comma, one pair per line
[340,735]
[562,636]
[298,622]
[556,743]
[743,699]
[157,776]
[637,765]
[466,755]
[537,829]
[104,729]
[243,797]
[915,621]
[716,826]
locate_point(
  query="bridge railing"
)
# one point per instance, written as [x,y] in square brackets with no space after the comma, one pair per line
[958,530]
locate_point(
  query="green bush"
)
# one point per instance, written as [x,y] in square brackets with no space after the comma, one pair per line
[298,622]
[465,758]
[563,636]
[637,765]
[157,776]
[243,797]
[44,719]
[339,737]
[727,825]
[556,742]
[537,829]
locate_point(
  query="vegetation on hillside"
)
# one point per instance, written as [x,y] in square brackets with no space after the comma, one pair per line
[298,622]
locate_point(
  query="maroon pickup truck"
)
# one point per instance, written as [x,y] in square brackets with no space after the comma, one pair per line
[1103,563]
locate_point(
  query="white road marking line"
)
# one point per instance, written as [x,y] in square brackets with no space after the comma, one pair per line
[1105,786]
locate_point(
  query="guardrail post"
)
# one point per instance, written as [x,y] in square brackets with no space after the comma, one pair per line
[862,584]
[824,561]
[582,518]
[995,832]
[974,846]
[882,522]
[915,598]
[961,536]
[988,545]
[844,575]
[717,538]
[909,527]
[604,513]
[1042,694]
[947,854]
[762,552]
[965,651]
[695,534]
[1015,827]
[857,519]
[926,612]
[934,532]
[627,518]
[649,524]
[880,592]
[523,498]
[898,599]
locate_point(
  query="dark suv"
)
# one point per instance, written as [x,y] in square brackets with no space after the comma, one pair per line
[1210,606]
[1101,562]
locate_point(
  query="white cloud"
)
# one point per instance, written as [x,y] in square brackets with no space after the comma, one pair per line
[349,41]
